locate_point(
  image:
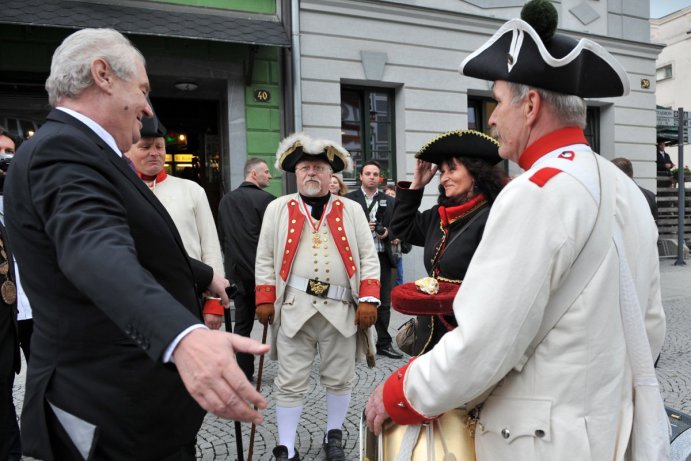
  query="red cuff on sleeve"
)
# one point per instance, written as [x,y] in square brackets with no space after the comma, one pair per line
[213,306]
[395,402]
[265,294]
[369,287]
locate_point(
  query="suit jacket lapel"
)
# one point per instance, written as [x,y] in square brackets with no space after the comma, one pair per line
[121,165]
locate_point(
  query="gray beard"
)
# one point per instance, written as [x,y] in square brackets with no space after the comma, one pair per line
[312,191]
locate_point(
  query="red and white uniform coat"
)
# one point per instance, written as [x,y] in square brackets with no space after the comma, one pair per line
[285,223]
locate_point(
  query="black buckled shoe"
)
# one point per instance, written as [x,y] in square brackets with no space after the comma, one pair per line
[281,454]
[389,351]
[333,446]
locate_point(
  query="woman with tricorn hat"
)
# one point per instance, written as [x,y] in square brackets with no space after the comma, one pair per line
[451,230]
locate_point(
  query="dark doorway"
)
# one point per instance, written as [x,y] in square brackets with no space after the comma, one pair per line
[193,145]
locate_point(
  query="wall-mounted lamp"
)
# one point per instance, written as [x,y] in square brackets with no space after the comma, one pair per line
[186,86]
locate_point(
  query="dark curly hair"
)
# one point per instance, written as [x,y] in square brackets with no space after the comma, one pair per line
[489,180]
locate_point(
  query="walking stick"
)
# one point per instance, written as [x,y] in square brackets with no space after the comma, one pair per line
[238,428]
[259,388]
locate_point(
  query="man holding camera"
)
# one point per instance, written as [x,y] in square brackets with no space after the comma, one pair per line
[378,208]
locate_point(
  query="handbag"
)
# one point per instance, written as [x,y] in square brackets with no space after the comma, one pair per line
[416,335]
[450,437]
[407,336]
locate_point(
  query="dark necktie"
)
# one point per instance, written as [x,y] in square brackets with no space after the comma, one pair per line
[129,162]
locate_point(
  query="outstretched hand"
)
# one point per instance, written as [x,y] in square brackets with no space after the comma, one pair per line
[206,362]
[424,172]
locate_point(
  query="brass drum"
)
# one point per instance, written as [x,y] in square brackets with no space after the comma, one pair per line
[452,435]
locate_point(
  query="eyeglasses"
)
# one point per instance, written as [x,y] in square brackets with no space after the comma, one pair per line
[317,169]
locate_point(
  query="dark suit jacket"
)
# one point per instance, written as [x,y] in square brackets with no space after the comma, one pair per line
[384,215]
[9,352]
[652,201]
[240,216]
[110,286]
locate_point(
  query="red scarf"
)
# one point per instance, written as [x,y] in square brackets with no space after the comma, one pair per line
[160,177]
[448,216]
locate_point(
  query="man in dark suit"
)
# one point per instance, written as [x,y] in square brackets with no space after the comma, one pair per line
[10,362]
[378,208]
[121,365]
[662,159]
[624,164]
[240,216]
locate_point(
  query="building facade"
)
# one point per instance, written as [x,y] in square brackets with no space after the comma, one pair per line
[382,76]
[673,66]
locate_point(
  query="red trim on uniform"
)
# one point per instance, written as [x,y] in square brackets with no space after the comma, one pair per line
[296,222]
[540,177]
[395,402]
[160,177]
[264,294]
[335,221]
[550,142]
[370,287]
[213,306]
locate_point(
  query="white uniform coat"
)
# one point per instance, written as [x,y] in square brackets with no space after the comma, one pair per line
[270,254]
[573,397]
[187,204]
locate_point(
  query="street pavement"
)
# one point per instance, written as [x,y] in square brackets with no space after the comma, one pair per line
[216,440]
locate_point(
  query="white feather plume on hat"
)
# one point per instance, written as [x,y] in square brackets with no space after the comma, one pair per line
[332,150]
[298,146]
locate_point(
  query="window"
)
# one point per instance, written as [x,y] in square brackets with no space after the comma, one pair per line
[592,128]
[367,128]
[664,72]
[480,109]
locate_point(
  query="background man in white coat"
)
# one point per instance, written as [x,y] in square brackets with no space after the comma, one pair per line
[573,395]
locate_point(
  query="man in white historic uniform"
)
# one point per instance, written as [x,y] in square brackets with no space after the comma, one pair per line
[543,337]
[317,275]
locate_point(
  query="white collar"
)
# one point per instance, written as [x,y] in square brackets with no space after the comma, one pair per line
[95,127]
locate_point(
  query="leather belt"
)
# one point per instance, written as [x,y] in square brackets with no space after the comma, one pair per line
[319,288]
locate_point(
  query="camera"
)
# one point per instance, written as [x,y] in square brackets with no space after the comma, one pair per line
[379,228]
[5,160]
[232,290]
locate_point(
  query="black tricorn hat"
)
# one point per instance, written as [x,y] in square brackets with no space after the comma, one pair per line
[460,143]
[519,53]
[298,146]
[152,128]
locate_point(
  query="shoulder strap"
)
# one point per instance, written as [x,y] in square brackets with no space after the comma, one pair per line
[588,260]
[371,205]
[477,215]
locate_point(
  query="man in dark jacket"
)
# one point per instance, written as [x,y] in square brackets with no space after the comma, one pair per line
[624,164]
[10,445]
[378,208]
[240,216]
[121,366]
